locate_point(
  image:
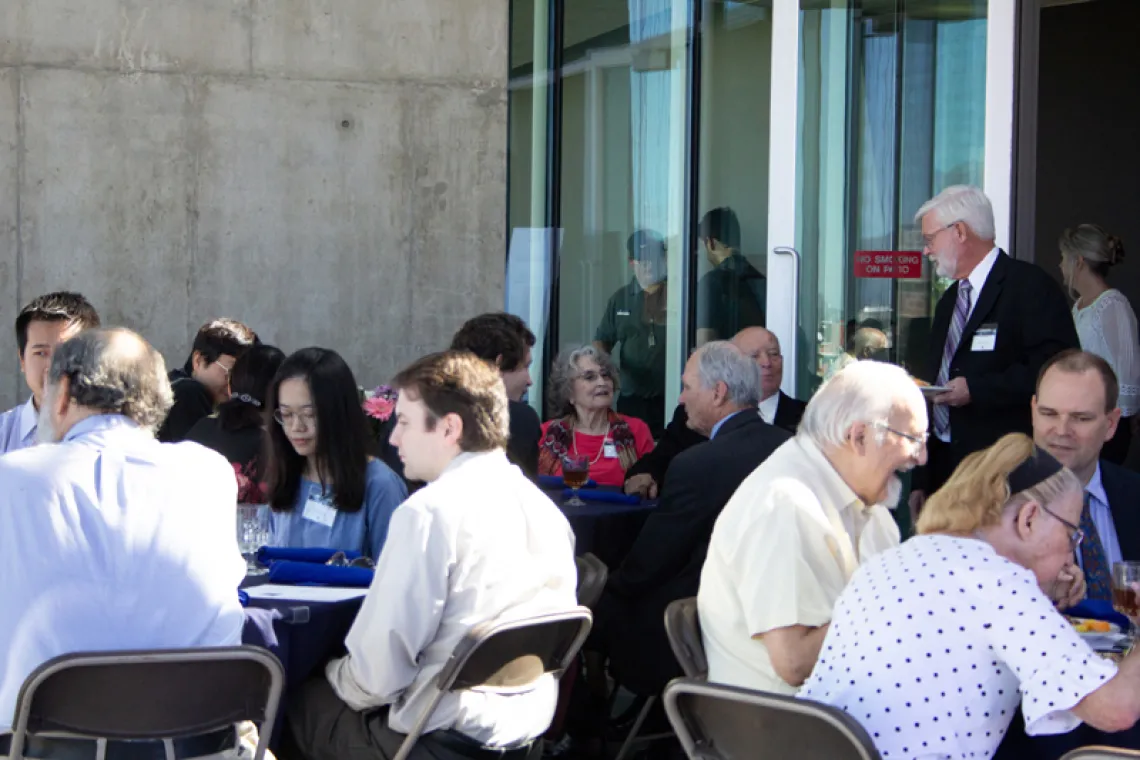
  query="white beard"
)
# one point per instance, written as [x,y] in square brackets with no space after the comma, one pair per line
[894,492]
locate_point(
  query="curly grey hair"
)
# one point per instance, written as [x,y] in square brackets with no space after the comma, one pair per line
[114,371]
[565,371]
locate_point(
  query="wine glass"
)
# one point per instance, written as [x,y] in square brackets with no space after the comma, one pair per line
[1125,599]
[252,534]
[575,473]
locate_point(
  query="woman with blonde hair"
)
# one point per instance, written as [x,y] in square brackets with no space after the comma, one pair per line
[1105,321]
[933,645]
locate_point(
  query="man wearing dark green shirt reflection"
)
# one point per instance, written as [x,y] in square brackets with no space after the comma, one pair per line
[635,322]
[733,295]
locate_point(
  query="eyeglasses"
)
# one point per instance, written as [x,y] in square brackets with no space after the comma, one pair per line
[919,439]
[928,240]
[1076,536]
[590,376]
[225,369]
[287,417]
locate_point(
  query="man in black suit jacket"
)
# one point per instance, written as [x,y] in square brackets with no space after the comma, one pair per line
[993,330]
[775,407]
[505,341]
[1074,414]
[721,393]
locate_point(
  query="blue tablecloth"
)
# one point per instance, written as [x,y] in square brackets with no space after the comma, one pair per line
[603,529]
[303,635]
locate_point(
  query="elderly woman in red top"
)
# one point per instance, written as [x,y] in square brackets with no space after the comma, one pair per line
[583,382]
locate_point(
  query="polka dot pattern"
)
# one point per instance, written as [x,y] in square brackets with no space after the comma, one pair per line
[933,644]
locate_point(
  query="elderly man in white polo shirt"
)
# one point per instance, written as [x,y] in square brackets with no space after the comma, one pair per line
[796,530]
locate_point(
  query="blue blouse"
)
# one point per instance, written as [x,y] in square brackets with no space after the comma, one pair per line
[315,523]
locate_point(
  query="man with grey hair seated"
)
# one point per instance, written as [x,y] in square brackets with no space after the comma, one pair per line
[796,529]
[721,390]
[110,540]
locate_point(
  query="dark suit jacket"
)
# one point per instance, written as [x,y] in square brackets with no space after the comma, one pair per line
[525,432]
[1122,487]
[192,402]
[678,436]
[666,559]
[1033,324]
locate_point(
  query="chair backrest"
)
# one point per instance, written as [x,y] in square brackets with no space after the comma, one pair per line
[1099,753]
[592,574]
[155,694]
[683,626]
[717,722]
[505,655]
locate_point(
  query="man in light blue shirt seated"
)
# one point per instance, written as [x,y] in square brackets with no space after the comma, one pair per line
[41,326]
[110,540]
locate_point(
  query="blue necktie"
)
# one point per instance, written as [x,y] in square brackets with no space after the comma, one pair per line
[1098,575]
[953,337]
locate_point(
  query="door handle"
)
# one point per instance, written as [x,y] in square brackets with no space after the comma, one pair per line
[792,349]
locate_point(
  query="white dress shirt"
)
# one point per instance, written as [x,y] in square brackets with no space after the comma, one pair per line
[111,540]
[480,543]
[18,427]
[979,276]
[933,644]
[768,408]
[1107,328]
[781,552]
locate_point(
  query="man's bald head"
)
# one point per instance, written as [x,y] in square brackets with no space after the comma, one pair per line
[112,371]
[763,347]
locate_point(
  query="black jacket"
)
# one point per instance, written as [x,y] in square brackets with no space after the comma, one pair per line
[1033,324]
[192,402]
[526,431]
[665,561]
[1122,487]
[678,436]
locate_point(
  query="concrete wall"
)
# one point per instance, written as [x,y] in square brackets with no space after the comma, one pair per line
[332,172]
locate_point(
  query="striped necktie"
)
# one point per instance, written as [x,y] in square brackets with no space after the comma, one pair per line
[953,336]
[1098,575]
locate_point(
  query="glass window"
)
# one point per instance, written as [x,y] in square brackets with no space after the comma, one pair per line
[732,230]
[623,157]
[892,110]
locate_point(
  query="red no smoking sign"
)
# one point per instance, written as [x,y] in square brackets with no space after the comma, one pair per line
[899,265]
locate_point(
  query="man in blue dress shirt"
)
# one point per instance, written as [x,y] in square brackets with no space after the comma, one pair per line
[41,326]
[110,540]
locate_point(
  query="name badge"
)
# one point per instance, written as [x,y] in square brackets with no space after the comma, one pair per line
[609,450]
[319,512]
[985,339]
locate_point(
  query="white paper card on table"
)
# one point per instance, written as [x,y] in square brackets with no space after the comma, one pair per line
[304,593]
[319,512]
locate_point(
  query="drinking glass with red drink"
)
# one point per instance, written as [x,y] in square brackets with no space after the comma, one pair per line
[1125,597]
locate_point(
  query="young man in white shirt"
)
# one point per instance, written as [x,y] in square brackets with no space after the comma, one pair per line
[41,326]
[480,542]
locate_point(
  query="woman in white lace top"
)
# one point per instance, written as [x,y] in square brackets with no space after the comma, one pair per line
[1105,320]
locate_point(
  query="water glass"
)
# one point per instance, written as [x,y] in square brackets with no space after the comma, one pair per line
[252,534]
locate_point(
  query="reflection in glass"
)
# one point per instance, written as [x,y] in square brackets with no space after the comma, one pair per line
[623,126]
[736,64]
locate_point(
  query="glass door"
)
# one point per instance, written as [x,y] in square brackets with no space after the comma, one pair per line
[881,103]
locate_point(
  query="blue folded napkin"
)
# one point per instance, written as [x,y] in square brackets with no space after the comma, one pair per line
[556,481]
[603,497]
[313,574]
[243,598]
[1098,609]
[269,554]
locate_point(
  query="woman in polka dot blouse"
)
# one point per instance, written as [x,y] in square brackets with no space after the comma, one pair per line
[933,644]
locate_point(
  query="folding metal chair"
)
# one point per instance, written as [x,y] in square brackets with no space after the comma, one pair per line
[592,574]
[179,697]
[683,627]
[1099,753]
[717,722]
[506,654]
